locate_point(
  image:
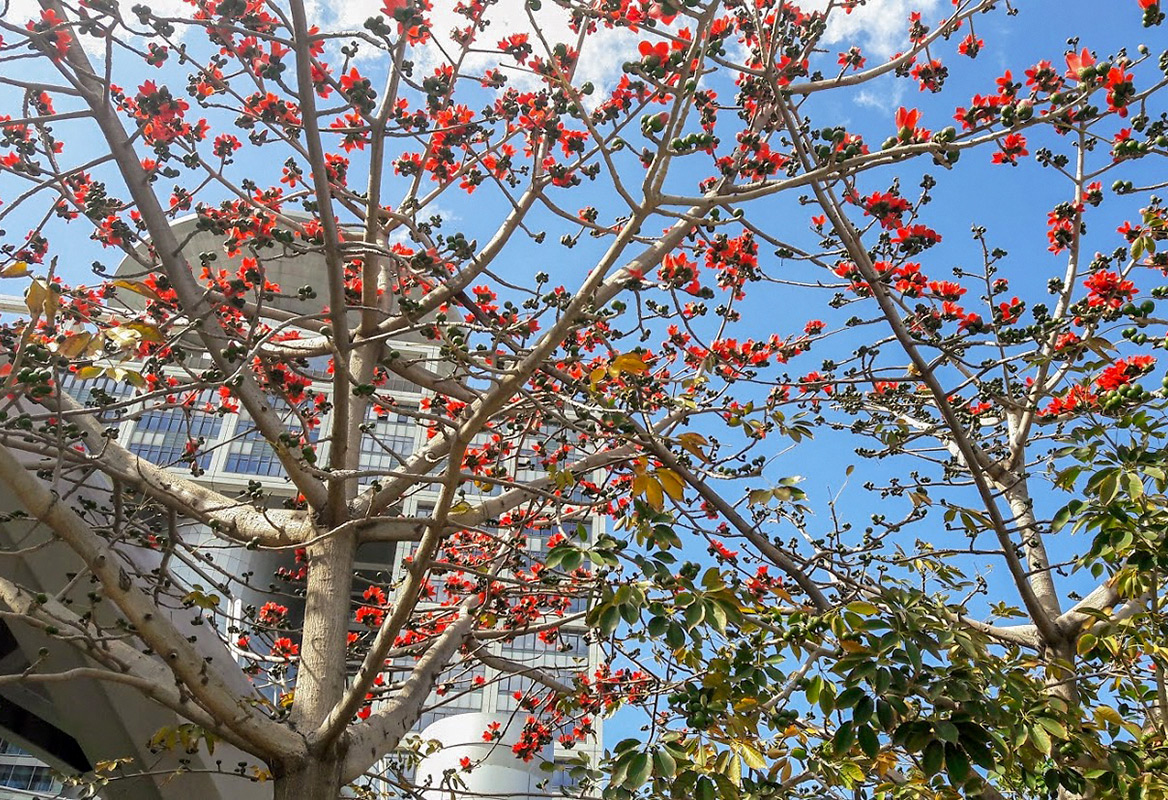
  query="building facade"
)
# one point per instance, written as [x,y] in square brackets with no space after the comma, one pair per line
[234,459]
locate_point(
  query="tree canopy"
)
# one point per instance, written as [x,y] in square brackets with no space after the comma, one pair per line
[683,302]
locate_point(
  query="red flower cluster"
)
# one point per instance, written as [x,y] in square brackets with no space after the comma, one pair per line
[1123,371]
[272,613]
[1108,290]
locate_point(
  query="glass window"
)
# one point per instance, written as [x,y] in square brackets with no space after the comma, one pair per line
[97,392]
[390,439]
[251,454]
[512,689]
[561,781]
[11,749]
[161,435]
[26,776]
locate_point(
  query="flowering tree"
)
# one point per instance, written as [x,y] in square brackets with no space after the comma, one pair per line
[613,355]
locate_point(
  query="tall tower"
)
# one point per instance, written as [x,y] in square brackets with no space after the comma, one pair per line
[235,460]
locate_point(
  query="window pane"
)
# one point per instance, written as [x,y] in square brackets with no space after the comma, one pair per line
[161,436]
[250,454]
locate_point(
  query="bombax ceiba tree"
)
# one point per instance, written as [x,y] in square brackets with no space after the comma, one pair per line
[583,218]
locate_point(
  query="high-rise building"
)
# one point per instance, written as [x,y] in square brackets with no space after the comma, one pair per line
[233,459]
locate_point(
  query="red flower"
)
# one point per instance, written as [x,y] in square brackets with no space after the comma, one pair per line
[907,119]
[660,51]
[285,648]
[1077,62]
[1108,290]
[272,613]
[970,46]
[1122,371]
[1079,398]
[1013,147]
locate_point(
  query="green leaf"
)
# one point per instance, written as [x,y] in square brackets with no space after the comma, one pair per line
[813,687]
[845,737]
[982,755]
[827,698]
[1133,485]
[640,767]
[933,757]
[609,619]
[869,741]
[694,615]
[946,731]
[956,764]
[717,616]
[665,765]
[1054,727]
[864,708]
[1040,738]
[1109,487]
[1064,515]
[630,612]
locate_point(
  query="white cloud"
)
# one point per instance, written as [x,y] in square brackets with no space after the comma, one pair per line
[601,57]
[888,96]
[880,27]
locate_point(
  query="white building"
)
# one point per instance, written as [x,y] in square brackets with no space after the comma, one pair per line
[233,458]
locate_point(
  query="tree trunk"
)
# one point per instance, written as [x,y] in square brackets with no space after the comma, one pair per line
[320,676]
[313,779]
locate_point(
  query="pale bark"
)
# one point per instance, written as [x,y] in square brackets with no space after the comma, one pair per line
[311,779]
[159,633]
[321,674]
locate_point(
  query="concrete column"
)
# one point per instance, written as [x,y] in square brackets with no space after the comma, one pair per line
[496,773]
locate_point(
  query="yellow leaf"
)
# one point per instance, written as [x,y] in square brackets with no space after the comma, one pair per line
[75,345]
[287,699]
[693,443]
[785,770]
[629,362]
[128,334]
[733,770]
[1108,714]
[15,270]
[145,331]
[35,297]
[596,376]
[758,497]
[639,484]
[672,483]
[745,704]
[885,762]
[137,287]
[89,373]
[129,376]
[654,495]
[753,758]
